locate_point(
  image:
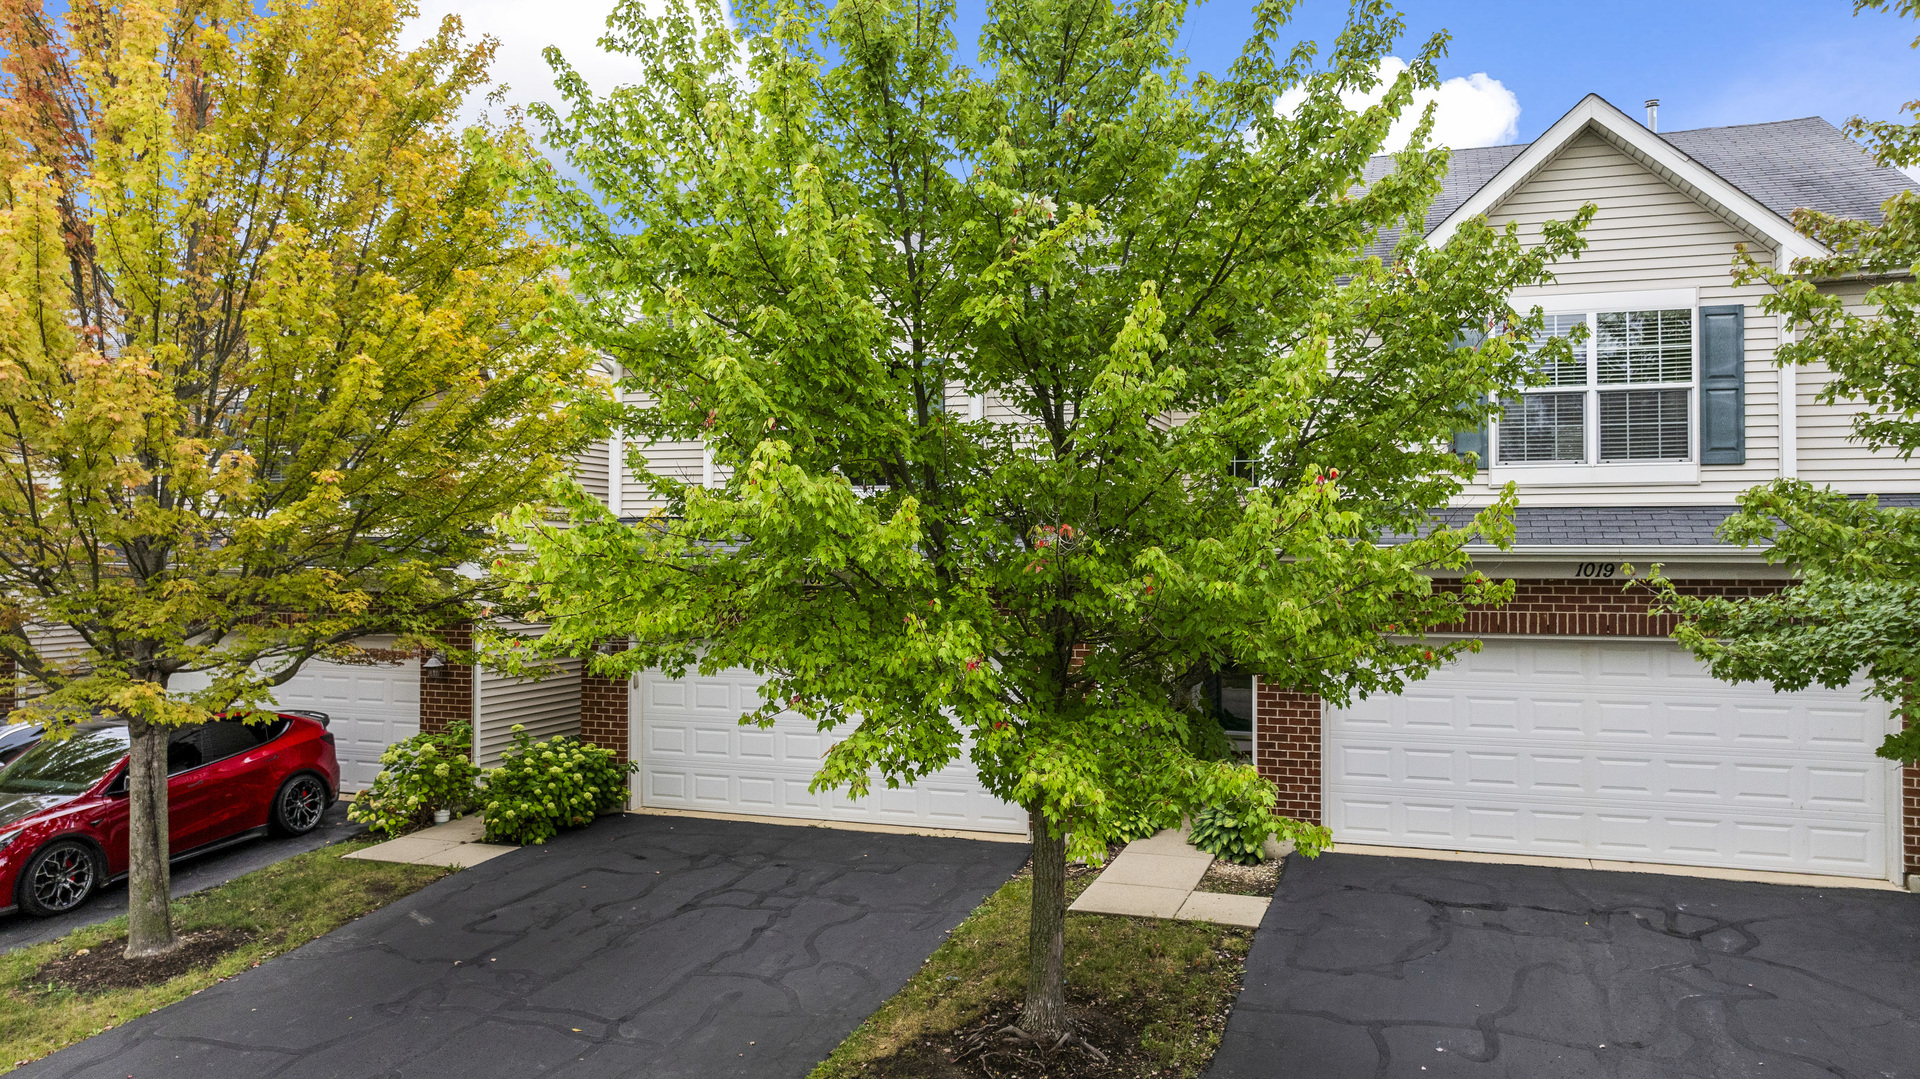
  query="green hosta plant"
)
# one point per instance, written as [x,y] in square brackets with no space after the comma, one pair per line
[542,787]
[1236,833]
[418,775]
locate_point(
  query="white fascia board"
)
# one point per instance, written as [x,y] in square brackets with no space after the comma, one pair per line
[1689,552]
[1650,150]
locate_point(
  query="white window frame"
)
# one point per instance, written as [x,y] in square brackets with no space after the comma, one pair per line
[1592,470]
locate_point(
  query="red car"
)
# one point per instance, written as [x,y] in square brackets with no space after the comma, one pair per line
[63,804]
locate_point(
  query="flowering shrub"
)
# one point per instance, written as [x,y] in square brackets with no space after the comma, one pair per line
[417,776]
[542,787]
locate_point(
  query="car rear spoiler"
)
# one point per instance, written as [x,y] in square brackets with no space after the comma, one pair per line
[318,717]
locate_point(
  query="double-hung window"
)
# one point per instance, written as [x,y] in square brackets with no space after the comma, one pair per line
[1625,398]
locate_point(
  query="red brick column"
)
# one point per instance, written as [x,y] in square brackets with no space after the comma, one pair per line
[603,713]
[446,692]
[9,695]
[1286,747]
[1912,814]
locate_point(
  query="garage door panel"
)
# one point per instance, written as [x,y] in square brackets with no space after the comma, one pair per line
[1676,767]
[1556,718]
[697,756]
[369,707]
[1492,714]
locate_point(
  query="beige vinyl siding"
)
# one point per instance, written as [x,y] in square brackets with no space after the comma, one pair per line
[57,643]
[683,461]
[547,707]
[1829,455]
[1646,235]
[1000,410]
[590,469]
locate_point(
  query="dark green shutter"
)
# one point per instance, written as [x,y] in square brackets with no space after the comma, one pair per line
[1475,441]
[1723,385]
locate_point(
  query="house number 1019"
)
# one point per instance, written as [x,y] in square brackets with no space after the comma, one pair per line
[1595,569]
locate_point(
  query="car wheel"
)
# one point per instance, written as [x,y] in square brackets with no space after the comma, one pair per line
[298,806]
[59,877]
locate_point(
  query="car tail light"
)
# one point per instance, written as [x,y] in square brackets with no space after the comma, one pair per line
[327,737]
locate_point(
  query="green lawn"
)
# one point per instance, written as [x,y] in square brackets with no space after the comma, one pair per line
[284,906]
[1173,981]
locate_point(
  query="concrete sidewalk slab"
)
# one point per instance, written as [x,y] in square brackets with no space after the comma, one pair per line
[456,844]
[1133,900]
[1224,909]
[1155,877]
[1156,870]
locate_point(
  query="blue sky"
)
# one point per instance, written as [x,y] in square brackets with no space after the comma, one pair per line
[1710,62]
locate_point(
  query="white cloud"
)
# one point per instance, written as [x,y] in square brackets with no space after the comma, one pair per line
[1476,110]
[526,28]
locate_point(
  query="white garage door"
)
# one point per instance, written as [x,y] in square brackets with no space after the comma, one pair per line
[695,755]
[371,708]
[1615,750]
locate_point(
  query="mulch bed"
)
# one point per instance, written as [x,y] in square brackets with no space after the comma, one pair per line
[1260,880]
[106,966]
[1107,1047]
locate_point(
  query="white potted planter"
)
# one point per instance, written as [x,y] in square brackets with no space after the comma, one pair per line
[442,816]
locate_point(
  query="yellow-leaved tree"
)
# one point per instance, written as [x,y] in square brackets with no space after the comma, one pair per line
[271,357]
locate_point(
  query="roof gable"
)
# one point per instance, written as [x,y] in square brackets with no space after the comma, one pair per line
[1657,154]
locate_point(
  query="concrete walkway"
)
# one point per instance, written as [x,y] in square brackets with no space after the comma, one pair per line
[457,844]
[1156,878]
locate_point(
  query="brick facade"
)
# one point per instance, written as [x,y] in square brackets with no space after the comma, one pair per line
[603,713]
[1588,608]
[446,692]
[1287,747]
[1912,815]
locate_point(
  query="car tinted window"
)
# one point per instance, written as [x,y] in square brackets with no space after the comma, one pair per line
[225,737]
[66,767]
[183,751]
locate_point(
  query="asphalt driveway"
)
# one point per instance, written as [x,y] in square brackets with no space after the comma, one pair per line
[640,946]
[1368,967]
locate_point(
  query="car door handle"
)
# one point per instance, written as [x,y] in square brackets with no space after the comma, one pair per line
[190,786]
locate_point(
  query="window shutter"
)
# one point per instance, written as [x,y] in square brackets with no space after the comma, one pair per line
[1723,385]
[1474,442]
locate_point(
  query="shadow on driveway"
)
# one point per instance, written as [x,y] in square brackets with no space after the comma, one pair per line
[641,946]
[1369,966]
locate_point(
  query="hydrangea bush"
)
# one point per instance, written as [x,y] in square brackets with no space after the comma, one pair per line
[417,776]
[542,787]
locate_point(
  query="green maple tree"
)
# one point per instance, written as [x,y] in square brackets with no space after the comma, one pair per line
[270,358]
[807,239]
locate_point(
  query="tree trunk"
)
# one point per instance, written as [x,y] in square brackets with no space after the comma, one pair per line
[149,906]
[1045,1012]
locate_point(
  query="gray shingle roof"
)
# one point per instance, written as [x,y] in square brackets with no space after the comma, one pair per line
[1623,526]
[1789,164]
[1783,165]
[1609,526]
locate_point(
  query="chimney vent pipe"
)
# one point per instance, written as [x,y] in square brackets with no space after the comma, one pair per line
[1653,114]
